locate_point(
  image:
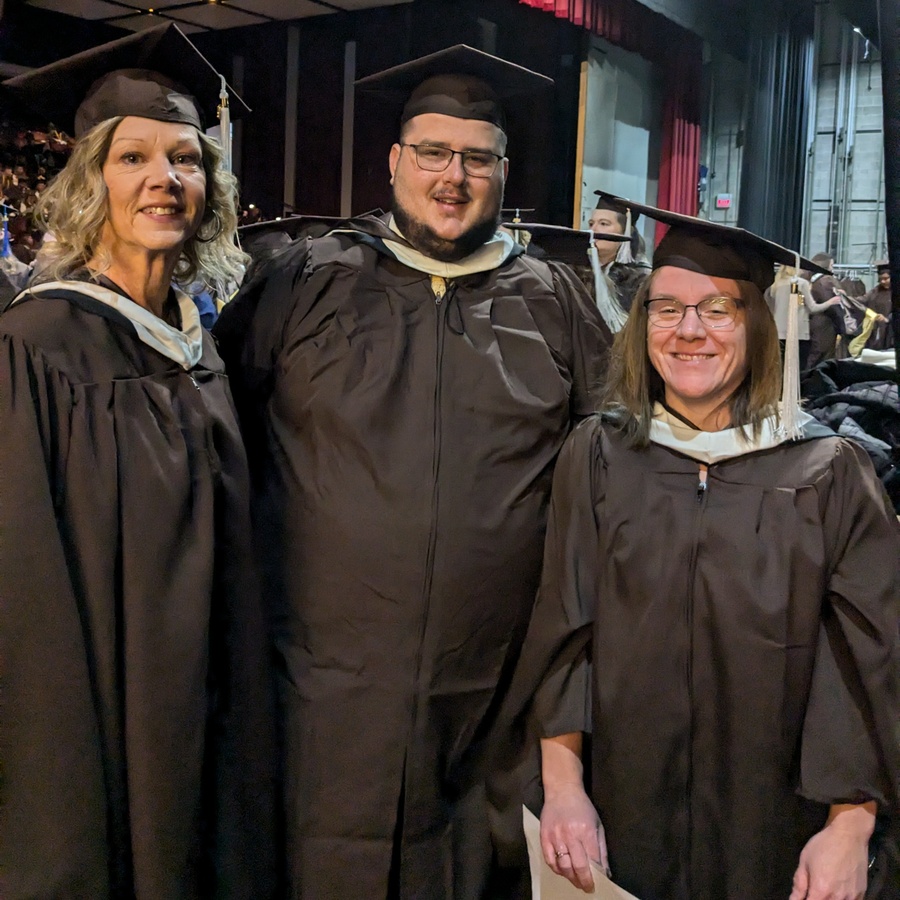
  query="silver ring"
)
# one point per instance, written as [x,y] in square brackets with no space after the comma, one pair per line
[562,852]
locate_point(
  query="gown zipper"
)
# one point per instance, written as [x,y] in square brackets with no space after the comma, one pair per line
[702,494]
[439,288]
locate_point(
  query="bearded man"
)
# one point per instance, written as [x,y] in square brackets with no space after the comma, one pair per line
[405,384]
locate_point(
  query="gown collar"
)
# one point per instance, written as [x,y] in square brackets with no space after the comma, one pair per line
[184,346]
[488,256]
[714,446]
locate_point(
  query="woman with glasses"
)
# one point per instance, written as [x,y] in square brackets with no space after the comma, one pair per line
[718,609]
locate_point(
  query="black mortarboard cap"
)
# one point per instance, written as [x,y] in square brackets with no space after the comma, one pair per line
[606,201]
[269,233]
[291,226]
[156,74]
[459,81]
[711,248]
[883,265]
[567,245]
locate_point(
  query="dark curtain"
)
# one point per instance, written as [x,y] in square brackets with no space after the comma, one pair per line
[862,14]
[889,26]
[780,74]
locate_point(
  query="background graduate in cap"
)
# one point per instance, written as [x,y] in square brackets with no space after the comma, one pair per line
[405,384]
[879,316]
[135,704]
[718,608]
[624,263]
[577,249]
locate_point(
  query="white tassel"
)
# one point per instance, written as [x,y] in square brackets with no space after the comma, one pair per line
[623,254]
[790,385]
[224,124]
[610,309]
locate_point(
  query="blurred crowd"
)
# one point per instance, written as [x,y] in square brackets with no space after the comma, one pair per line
[29,159]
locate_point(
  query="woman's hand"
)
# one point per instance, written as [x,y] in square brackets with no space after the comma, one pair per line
[834,862]
[572,835]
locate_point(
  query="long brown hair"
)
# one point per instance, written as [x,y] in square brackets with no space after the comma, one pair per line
[633,385]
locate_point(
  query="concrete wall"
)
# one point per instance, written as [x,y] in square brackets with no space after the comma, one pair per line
[623,127]
[845,179]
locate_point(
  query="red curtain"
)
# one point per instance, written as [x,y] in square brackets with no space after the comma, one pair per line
[626,23]
[680,159]
[632,26]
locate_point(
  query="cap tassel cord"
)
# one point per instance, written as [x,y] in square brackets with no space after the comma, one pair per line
[790,389]
[224,124]
[612,313]
[623,254]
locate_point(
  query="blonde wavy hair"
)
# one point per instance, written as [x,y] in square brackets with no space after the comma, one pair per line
[74,209]
[633,385]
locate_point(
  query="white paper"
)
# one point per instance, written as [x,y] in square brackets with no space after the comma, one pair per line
[547,885]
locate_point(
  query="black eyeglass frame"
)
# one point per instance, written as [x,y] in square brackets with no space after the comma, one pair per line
[463,154]
[738,305]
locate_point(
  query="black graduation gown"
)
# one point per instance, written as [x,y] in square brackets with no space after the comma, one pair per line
[739,649]
[402,451]
[628,279]
[135,704]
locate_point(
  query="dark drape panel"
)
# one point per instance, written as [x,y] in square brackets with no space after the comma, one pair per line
[780,79]
[632,26]
[862,14]
[889,27]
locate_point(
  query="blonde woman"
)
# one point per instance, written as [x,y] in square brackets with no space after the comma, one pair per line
[779,297]
[134,714]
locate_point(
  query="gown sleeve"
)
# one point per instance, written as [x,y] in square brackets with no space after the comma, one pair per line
[851,734]
[554,669]
[590,340]
[251,332]
[52,809]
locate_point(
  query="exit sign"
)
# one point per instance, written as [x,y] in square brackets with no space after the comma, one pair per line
[723,201]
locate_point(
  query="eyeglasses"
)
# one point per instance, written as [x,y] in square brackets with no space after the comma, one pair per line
[477,163]
[714,312]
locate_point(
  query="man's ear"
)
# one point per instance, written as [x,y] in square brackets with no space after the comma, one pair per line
[393,159]
[505,168]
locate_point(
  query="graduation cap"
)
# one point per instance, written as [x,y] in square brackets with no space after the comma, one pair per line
[607,201]
[459,81]
[567,245]
[711,248]
[883,265]
[155,74]
[261,237]
[513,213]
[576,248]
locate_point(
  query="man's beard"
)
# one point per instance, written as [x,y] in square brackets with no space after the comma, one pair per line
[424,239]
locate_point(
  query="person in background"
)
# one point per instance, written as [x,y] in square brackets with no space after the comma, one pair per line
[879,298]
[879,312]
[829,330]
[789,287]
[405,383]
[718,609]
[137,741]
[623,262]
